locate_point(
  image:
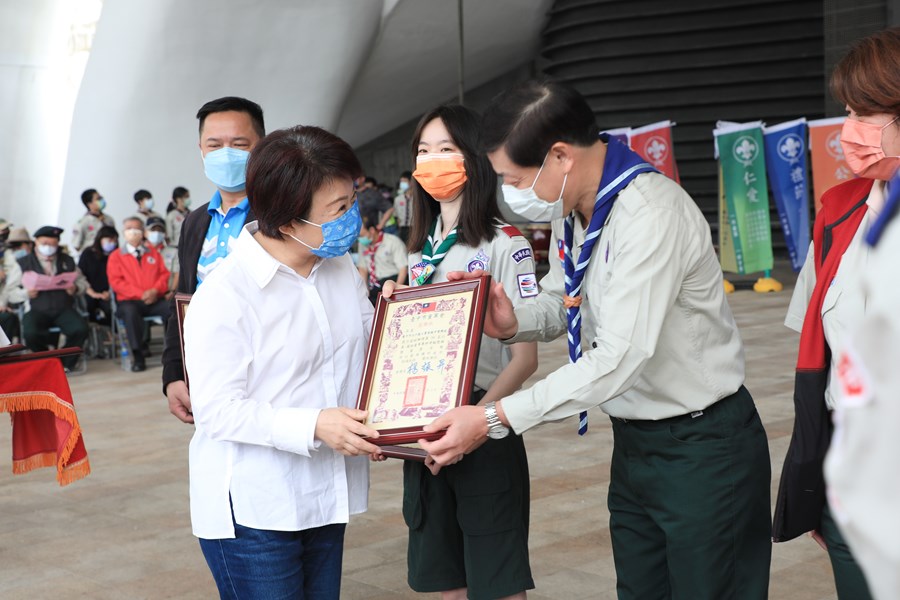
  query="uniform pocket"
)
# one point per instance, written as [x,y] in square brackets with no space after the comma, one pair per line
[486,503]
[413,509]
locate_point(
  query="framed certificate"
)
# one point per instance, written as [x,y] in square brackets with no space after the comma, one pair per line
[182,301]
[421,361]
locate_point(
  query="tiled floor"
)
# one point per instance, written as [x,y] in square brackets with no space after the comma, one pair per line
[124,532]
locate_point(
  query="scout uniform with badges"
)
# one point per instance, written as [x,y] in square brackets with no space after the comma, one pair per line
[382,258]
[652,341]
[509,260]
[861,467]
[477,510]
[87,227]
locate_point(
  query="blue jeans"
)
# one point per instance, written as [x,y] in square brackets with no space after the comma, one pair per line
[261,564]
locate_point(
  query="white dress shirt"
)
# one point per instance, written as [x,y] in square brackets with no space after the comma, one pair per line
[657,335]
[266,350]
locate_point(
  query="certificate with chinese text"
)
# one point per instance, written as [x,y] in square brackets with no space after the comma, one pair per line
[422,358]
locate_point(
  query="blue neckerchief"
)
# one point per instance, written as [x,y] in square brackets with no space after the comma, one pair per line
[620,167]
[891,204]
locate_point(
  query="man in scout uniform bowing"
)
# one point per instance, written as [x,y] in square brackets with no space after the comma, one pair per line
[652,342]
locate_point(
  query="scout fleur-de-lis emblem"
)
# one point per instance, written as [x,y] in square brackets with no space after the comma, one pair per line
[657,149]
[790,147]
[745,150]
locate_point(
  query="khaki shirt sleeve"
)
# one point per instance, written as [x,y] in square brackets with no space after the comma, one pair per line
[544,319]
[642,287]
[803,289]
[12,291]
[398,254]
[514,268]
[78,235]
[81,283]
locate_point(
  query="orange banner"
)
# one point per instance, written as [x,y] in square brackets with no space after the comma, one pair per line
[828,165]
[654,143]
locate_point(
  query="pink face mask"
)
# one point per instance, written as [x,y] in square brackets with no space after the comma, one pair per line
[862,149]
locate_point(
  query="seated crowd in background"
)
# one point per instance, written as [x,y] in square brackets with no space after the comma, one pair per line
[134,280]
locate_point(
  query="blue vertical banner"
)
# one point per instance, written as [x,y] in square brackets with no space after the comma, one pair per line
[785,146]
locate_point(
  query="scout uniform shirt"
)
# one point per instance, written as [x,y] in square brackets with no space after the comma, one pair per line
[174,220]
[861,467]
[86,229]
[390,257]
[658,337]
[509,260]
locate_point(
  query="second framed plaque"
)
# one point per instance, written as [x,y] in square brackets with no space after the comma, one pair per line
[421,361]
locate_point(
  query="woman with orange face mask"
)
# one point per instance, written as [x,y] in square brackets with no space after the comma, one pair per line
[468,522]
[828,300]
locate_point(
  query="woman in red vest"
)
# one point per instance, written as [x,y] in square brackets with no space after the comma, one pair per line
[828,299]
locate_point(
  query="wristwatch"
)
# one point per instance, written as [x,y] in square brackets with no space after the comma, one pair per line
[496,429]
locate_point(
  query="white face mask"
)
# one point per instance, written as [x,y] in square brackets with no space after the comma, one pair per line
[156,237]
[528,204]
[46,249]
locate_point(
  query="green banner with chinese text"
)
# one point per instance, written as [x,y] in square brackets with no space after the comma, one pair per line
[746,245]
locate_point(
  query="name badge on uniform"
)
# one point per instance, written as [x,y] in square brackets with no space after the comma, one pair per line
[421,272]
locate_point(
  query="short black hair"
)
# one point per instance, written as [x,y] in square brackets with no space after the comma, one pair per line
[234,103]
[287,167]
[179,192]
[142,195]
[479,213]
[371,180]
[532,116]
[406,175]
[87,196]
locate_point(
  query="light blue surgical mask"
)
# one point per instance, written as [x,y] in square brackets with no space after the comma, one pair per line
[102,204]
[403,186]
[337,235]
[227,168]
[109,246]
[364,241]
[148,204]
[20,253]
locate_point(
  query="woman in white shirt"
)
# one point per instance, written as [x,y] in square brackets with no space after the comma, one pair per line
[275,342]
[829,300]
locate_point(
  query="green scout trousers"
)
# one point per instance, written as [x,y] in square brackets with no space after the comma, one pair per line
[689,503]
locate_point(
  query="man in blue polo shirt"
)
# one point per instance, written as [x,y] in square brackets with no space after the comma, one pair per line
[230,127]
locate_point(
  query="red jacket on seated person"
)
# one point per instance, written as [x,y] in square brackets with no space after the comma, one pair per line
[130,279]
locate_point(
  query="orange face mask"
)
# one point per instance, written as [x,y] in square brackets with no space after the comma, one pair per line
[441,175]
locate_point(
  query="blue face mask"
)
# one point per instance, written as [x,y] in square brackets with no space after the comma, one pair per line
[227,168]
[364,241]
[102,204]
[337,235]
[20,253]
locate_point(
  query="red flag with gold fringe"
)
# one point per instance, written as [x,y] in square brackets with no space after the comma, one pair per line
[45,429]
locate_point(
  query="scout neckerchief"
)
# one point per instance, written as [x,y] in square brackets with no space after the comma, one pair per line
[620,167]
[431,258]
[801,492]
[369,251]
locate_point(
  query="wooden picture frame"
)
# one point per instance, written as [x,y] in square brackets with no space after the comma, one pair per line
[421,360]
